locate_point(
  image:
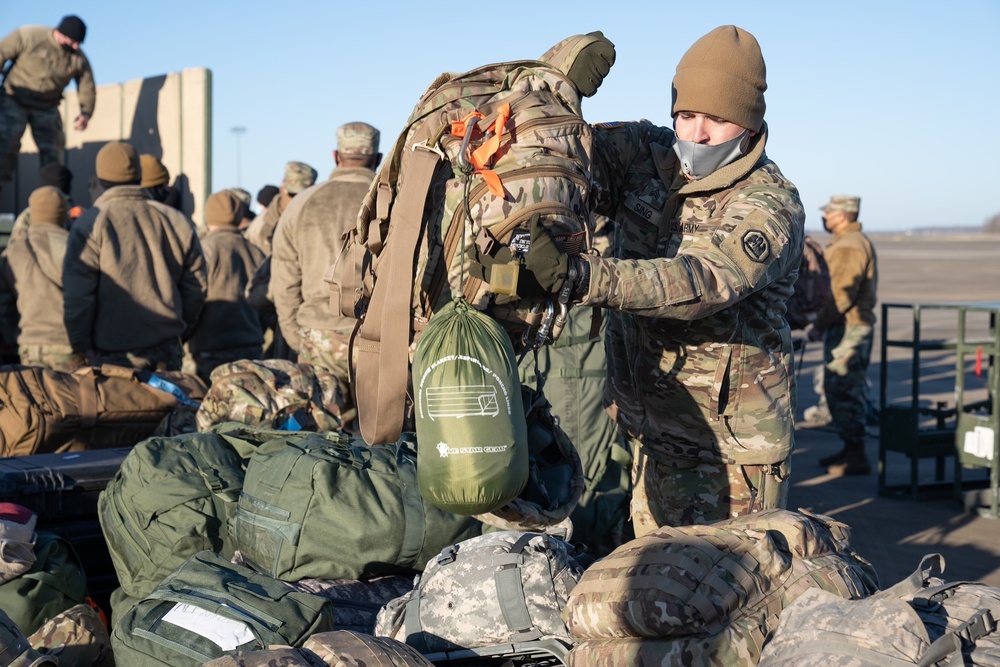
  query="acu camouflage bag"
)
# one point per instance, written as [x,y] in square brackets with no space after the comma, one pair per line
[499,588]
[481,154]
[697,595]
[276,394]
[209,607]
[922,620]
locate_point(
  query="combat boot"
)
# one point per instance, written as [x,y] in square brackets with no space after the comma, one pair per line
[855,461]
[839,457]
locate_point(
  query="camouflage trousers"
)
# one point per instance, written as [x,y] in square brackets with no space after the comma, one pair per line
[57,357]
[327,350]
[206,362]
[683,492]
[46,129]
[166,356]
[847,352]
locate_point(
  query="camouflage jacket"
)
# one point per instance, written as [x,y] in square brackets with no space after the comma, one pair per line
[699,352]
[43,69]
[134,274]
[850,256]
[306,243]
[227,321]
[31,294]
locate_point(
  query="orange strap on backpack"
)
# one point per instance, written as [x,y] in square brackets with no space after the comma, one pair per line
[481,157]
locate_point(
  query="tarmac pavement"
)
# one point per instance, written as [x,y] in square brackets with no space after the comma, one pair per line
[894,533]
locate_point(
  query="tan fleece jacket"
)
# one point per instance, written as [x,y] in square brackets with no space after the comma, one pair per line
[31,272]
[42,69]
[134,274]
[853,277]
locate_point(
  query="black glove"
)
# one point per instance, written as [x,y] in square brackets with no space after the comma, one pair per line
[542,270]
[592,64]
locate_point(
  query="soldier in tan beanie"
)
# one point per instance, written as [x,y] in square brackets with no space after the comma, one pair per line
[135,274]
[31,294]
[156,181]
[306,243]
[709,239]
[229,329]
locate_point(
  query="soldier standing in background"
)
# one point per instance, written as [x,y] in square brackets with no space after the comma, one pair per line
[306,243]
[156,181]
[56,175]
[229,329]
[43,61]
[708,241]
[134,273]
[265,195]
[31,293]
[298,177]
[847,327]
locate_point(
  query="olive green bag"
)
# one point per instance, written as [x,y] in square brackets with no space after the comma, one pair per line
[324,506]
[210,607]
[469,415]
[54,583]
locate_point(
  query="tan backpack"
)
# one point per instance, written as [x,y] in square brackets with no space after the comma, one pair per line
[43,411]
[481,154]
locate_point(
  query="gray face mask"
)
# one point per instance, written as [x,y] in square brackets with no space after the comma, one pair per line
[700,160]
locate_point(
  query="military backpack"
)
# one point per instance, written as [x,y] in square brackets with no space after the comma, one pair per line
[481,154]
[812,288]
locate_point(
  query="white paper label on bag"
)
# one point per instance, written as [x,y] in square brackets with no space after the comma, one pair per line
[979,442]
[225,632]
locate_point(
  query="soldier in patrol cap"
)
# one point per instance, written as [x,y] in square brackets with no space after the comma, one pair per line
[847,328]
[298,177]
[306,244]
[708,240]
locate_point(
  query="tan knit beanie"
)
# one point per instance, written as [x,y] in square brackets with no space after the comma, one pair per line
[153,171]
[47,204]
[117,162]
[723,74]
[223,209]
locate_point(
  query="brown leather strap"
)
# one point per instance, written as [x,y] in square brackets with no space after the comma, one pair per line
[384,337]
[87,399]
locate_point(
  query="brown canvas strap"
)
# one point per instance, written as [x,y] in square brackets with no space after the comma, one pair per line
[87,398]
[384,337]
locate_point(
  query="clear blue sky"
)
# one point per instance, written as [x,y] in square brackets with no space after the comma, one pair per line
[898,102]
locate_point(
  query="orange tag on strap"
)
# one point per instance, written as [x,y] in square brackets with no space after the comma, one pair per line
[481,157]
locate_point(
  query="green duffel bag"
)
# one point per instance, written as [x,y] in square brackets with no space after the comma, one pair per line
[210,607]
[53,584]
[171,498]
[330,507]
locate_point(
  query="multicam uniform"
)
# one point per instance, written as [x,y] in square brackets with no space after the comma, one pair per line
[32,92]
[123,300]
[699,352]
[229,328]
[31,297]
[848,326]
[305,245]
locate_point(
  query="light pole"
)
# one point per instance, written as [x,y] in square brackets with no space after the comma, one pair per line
[239,132]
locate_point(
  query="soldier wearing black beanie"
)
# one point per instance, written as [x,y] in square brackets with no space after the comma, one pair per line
[73,27]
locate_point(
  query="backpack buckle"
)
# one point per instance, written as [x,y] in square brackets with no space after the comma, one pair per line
[423,145]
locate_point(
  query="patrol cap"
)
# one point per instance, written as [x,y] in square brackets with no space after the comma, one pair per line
[224,208]
[357,139]
[153,171]
[242,195]
[47,204]
[298,177]
[117,162]
[845,203]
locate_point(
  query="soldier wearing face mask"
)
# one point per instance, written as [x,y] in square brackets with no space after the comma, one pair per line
[38,63]
[708,240]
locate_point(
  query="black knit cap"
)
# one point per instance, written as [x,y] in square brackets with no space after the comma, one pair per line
[57,175]
[266,194]
[73,27]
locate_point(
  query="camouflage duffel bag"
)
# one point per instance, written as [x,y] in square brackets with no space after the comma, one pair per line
[15,651]
[275,393]
[210,607]
[499,588]
[171,498]
[695,595]
[343,647]
[55,582]
[270,657]
[77,636]
[324,506]
[922,620]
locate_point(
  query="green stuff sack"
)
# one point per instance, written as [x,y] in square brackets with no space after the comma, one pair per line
[323,506]
[470,421]
[210,607]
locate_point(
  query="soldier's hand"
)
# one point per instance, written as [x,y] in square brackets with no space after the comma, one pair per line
[541,272]
[81,121]
[592,64]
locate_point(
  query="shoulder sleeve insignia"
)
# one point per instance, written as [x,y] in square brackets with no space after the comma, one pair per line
[756,246]
[610,126]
